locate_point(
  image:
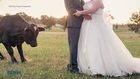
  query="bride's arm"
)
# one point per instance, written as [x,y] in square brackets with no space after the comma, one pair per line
[96,5]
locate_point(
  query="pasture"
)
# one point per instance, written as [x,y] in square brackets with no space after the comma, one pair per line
[49,59]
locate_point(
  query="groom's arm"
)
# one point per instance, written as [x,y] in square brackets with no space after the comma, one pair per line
[69,6]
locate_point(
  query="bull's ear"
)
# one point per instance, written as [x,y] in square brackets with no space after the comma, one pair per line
[41,29]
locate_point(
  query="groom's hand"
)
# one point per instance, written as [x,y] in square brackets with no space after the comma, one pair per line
[77,13]
[88,17]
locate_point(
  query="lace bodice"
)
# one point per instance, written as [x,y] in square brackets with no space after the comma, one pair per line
[98,14]
[88,5]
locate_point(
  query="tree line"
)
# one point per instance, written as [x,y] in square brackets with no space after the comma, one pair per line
[46,20]
[133,23]
[49,21]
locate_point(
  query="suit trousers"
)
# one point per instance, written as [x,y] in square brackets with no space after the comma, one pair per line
[73,37]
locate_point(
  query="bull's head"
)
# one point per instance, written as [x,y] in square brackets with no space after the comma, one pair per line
[31,33]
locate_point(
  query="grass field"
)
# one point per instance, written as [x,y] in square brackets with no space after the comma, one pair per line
[49,59]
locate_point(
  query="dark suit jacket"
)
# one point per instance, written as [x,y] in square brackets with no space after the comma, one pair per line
[71,7]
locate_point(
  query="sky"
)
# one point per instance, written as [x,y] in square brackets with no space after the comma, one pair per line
[120,9]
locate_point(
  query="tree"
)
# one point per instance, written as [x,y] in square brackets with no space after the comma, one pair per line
[62,21]
[48,21]
[44,19]
[135,18]
[25,16]
[134,24]
[115,26]
[36,20]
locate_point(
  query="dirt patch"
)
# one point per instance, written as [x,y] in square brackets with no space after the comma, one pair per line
[53,33]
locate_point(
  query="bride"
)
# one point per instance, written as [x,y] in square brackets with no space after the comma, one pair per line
[100,50]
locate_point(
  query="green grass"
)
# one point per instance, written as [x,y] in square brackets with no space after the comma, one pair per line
[55,29]
[49,59]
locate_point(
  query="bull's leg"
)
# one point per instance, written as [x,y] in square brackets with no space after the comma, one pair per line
[10,51]
[19,47]
[1,56]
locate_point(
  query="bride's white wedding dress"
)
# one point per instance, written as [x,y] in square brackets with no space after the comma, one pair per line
[100,51]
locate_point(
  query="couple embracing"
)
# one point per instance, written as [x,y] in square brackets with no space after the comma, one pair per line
[94,47]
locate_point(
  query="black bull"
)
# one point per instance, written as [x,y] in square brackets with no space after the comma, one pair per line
[14,30]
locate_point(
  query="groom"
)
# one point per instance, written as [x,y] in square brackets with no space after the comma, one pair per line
[74,24]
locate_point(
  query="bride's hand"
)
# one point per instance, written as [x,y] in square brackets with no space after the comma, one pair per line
[78,13]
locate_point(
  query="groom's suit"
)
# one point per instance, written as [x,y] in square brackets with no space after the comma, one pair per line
[73,24]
